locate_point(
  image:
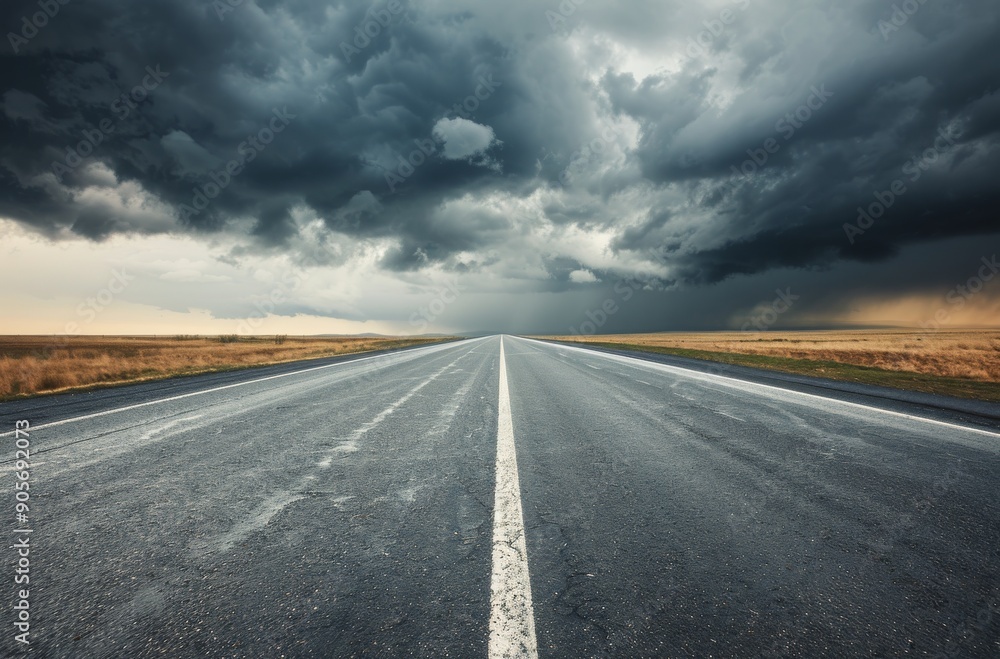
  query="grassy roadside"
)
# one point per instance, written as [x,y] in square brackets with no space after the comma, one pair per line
[932,384]
[37,366]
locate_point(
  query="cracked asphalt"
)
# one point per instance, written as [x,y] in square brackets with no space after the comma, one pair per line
[347,511]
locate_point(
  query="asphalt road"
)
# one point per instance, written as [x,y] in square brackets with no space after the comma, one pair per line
[450,501]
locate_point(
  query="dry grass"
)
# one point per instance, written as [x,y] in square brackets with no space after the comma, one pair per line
[970,354]
[31,365]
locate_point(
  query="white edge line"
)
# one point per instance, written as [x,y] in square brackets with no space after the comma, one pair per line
[742,384]
[512,618]
[214,389]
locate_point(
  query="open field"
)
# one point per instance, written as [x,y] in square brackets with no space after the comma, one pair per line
[962,363]
[31,365]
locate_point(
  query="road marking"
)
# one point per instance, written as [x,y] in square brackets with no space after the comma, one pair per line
[276,503]
[746,384]
[512,618]
[224,387]
[257,520]
[730,416]
[149,434]
[381,416]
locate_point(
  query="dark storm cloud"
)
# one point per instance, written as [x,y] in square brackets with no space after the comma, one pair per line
[223,79]
[921,114]
[363,87]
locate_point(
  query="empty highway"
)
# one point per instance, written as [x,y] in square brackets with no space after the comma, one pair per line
[504,497]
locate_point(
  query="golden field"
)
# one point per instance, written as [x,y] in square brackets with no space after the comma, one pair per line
[963,362]
[959,353]
[31,365]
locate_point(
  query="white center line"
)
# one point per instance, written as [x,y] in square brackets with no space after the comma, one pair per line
[512,618]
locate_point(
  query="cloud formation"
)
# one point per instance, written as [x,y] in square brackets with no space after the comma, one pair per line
[463,138]
[687,145]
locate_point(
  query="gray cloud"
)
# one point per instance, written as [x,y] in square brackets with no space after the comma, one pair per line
[463,138]
[667,140]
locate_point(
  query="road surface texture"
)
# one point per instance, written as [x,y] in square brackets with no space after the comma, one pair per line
[504,497]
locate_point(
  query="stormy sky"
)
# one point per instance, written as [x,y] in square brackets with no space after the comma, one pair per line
[306,166]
